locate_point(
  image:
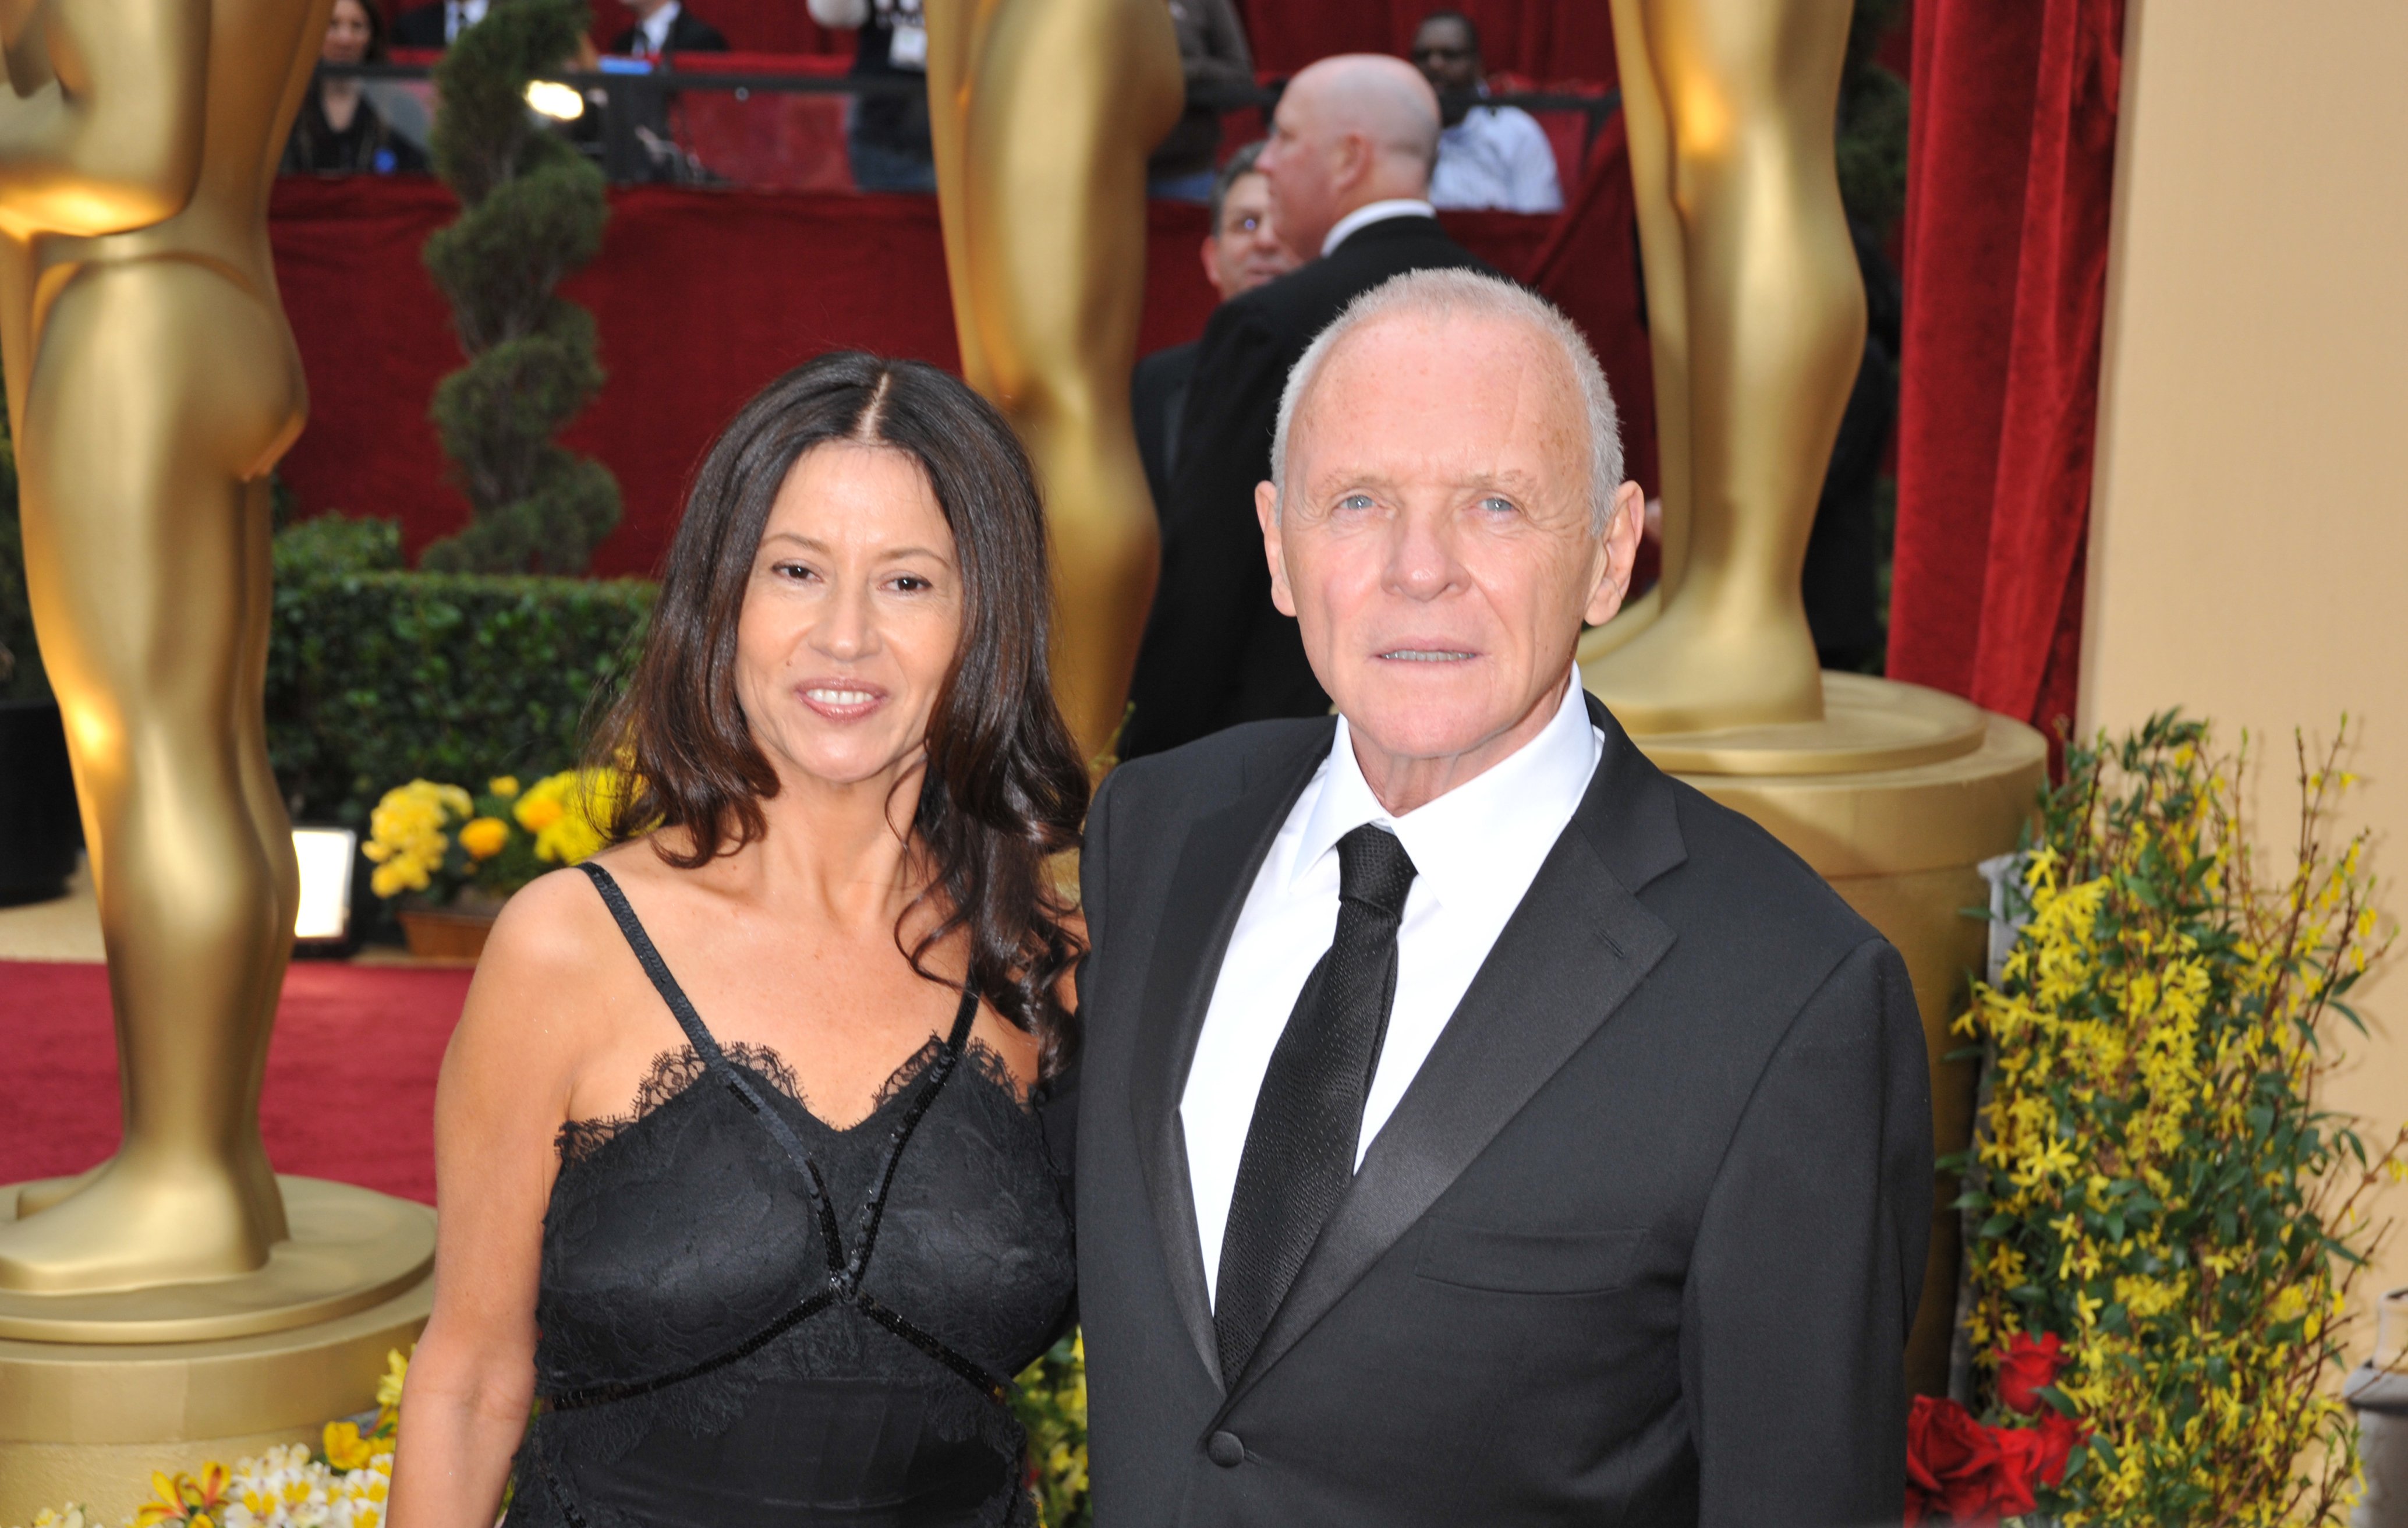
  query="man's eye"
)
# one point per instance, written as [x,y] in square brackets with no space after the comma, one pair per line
[1250,224]
[1496,505]
[1356,501]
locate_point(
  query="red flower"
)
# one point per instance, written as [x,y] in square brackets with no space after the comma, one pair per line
[1960,1471]
[2025,1368]
[1952,1464]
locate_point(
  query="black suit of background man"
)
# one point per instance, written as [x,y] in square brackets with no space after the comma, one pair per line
[1641,1243]
[1217,650]
[688,34]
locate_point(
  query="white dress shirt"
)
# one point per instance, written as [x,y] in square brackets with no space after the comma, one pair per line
[1475,851]
[459,16]
[653,32]
[1370,212]
[1498,157]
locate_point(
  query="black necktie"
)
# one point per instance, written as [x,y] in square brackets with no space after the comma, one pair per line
[1299,1153]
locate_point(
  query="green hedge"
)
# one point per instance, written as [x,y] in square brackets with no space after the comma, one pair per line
[377,675]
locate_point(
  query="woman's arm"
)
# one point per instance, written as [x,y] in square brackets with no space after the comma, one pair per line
[498,1107]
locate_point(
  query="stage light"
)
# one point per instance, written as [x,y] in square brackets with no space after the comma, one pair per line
[561,103]
[326,854]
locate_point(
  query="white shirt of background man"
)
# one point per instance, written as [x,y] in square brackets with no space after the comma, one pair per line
[1497,157]
[1475,851]
[1371,212]
[459,16]
[654,29]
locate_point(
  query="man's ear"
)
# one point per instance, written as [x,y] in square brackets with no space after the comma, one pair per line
[1354,154]
[1206,252]
[1274,550]
[1624,525]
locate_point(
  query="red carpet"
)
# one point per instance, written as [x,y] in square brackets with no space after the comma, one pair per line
[350,1073]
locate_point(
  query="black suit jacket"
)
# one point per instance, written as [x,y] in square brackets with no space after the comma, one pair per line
[421,26]
[1641,1243]
[1157,398]
[688,34]
[1217,650]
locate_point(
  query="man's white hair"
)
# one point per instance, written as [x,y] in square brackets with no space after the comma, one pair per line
[1437,297]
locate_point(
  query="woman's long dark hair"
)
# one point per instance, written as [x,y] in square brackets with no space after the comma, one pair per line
[1004,788]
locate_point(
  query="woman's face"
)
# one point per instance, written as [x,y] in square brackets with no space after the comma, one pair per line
[347,34]
[851,617]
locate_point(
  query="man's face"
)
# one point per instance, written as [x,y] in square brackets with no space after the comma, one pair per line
[1244,252]
[1298,168]
[1444,52]
[1435,546]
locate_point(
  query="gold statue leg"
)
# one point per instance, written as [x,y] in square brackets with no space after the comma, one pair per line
[160,394]
[1759,327]
[1043,116]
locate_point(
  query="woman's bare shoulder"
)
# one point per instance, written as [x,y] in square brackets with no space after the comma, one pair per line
[539,997]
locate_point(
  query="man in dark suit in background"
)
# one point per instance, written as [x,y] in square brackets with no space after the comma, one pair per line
[436,22]
[1241,252]
[665,26]
[1348,164]
[1478,1125]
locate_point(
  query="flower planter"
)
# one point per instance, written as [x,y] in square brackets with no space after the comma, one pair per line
[39,832]
[442,933]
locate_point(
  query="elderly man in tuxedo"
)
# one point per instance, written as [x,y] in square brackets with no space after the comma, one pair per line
[1478,1126]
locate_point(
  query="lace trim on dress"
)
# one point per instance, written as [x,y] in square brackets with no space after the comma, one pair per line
[675,1071]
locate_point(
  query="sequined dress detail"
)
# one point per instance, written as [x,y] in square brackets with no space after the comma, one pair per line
[750,1317]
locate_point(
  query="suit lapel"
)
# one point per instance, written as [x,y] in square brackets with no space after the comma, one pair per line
[1216,870]
[1576,947]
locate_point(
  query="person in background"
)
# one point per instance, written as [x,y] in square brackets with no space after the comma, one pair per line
[665,26]
[1241,252]
[1489,156]
[888,139]
[1214,53]
[436,22]
[1348,168]
[338,130]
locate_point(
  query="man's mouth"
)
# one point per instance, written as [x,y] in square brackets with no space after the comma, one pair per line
[1426,654]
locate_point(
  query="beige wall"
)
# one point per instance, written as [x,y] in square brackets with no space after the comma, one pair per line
[2249,543]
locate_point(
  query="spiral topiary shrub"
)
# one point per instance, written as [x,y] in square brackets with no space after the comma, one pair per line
[532,211]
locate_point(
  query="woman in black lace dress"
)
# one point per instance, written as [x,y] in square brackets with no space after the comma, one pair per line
[751,1143]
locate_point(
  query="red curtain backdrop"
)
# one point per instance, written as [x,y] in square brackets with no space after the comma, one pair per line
[701,297]
[1590,269]
[1999,384]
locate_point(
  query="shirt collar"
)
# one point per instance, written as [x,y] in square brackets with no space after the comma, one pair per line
[657,26]
[1490,831]
[1371,212]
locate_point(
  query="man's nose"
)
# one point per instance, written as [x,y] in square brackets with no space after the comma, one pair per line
[1422,563]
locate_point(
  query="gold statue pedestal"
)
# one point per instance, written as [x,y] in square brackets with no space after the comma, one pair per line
[98,1390]
[1894,798]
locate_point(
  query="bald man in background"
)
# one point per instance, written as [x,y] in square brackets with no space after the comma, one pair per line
[1348,165]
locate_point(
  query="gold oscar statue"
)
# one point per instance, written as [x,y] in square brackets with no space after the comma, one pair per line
[1042,113]
[152,384]
[1893,792]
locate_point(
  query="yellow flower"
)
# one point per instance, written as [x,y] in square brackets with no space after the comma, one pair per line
[503,786]
[397,1370]
[485,836]
[344,1448]
[567,812]
[536,813]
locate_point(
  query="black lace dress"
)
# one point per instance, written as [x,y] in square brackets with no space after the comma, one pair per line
[750,1317]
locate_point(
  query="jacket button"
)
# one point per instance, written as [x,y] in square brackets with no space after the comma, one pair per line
[1226,1450]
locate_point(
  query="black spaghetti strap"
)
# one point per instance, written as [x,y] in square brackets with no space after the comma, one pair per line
[963,1017]
[698,1034]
